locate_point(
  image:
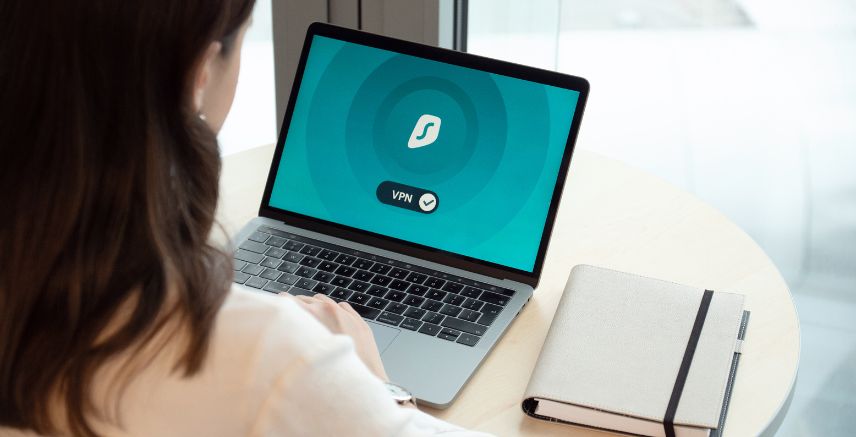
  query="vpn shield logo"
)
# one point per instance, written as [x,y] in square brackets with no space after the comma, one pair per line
[425,132]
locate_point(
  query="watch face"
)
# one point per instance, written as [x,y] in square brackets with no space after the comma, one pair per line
[398,393]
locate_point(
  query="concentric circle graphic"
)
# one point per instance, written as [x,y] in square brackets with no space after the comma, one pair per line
[359,124]
[386,108]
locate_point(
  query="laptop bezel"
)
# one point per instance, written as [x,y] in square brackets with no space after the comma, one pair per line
[439,256]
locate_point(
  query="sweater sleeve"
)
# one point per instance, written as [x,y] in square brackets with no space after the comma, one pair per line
[325,390]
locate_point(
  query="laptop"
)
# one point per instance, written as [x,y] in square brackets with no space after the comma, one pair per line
[420,185]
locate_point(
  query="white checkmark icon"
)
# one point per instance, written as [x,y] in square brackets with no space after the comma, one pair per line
[427,202]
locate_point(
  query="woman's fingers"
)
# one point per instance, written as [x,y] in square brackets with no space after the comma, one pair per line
[343,305]
[350,309]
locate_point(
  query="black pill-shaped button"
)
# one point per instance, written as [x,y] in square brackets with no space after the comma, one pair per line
[407,197]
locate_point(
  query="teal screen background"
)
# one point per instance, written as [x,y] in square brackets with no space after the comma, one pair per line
[493,166]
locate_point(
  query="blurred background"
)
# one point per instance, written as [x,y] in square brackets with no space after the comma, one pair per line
[748,104]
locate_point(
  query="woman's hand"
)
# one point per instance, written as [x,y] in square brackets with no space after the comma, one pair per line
[341,318]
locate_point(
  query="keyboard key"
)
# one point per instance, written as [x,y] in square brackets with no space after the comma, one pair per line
[288,267]
[398,273]
[296,291]
[310,262]
[432,318]
[454,299]
[345,259]
[381,280]
[340,293]
[434,282]
[323,277]
[271,262]
[340,281]
[359,286]
[399,285]
[276,241]
[389,318]
[363,276]
[429,329]
[310,250]
[276,253]
[259,237]
[345,271]
[494,298]
[240,278]
[468,339]
[306,272]
[366,312]
[380,268]
[292,257]
[288,278]
[469,315]
[395,307]
[360,299]
[306,284]
[378,303]
[446,336]
[327,266]
[451,332]
[472,292]
[328,255]
[491,309]
[323,288]
[463,325]
[413,300]
[487,319]
[418,290]
[238,264]
[253,269]
[363,264]
[417,278]
[416,313]
[271,274]
[250,257]
[411,324]
[395,295]
[473,304]
[432,305]
[254,246]
[377,290]
[276,287]
[435,294]
[450,310]
[256,282]
[293,245]
[453,287]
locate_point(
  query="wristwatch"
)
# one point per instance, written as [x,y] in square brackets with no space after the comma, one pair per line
[400,395]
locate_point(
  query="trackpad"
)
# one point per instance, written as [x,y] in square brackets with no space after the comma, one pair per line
[383,335]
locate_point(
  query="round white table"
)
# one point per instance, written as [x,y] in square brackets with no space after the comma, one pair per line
[618,217]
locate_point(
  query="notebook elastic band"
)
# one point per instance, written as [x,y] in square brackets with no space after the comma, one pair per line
[678,388]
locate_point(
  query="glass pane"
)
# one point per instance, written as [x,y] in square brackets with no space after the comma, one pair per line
[748,104]
[252,120]
[516,31]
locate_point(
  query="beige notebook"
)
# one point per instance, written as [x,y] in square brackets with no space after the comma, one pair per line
[638,355]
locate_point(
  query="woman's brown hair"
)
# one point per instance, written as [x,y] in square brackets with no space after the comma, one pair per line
[108,185]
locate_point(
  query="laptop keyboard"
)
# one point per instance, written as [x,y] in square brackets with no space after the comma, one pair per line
[386,291]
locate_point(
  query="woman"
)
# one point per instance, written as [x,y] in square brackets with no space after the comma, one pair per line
[116,314]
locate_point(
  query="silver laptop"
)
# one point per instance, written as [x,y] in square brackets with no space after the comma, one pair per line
[420,185]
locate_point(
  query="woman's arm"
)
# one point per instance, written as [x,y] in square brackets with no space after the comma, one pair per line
[330,389]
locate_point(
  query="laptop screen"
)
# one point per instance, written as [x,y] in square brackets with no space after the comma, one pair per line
[452,158]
